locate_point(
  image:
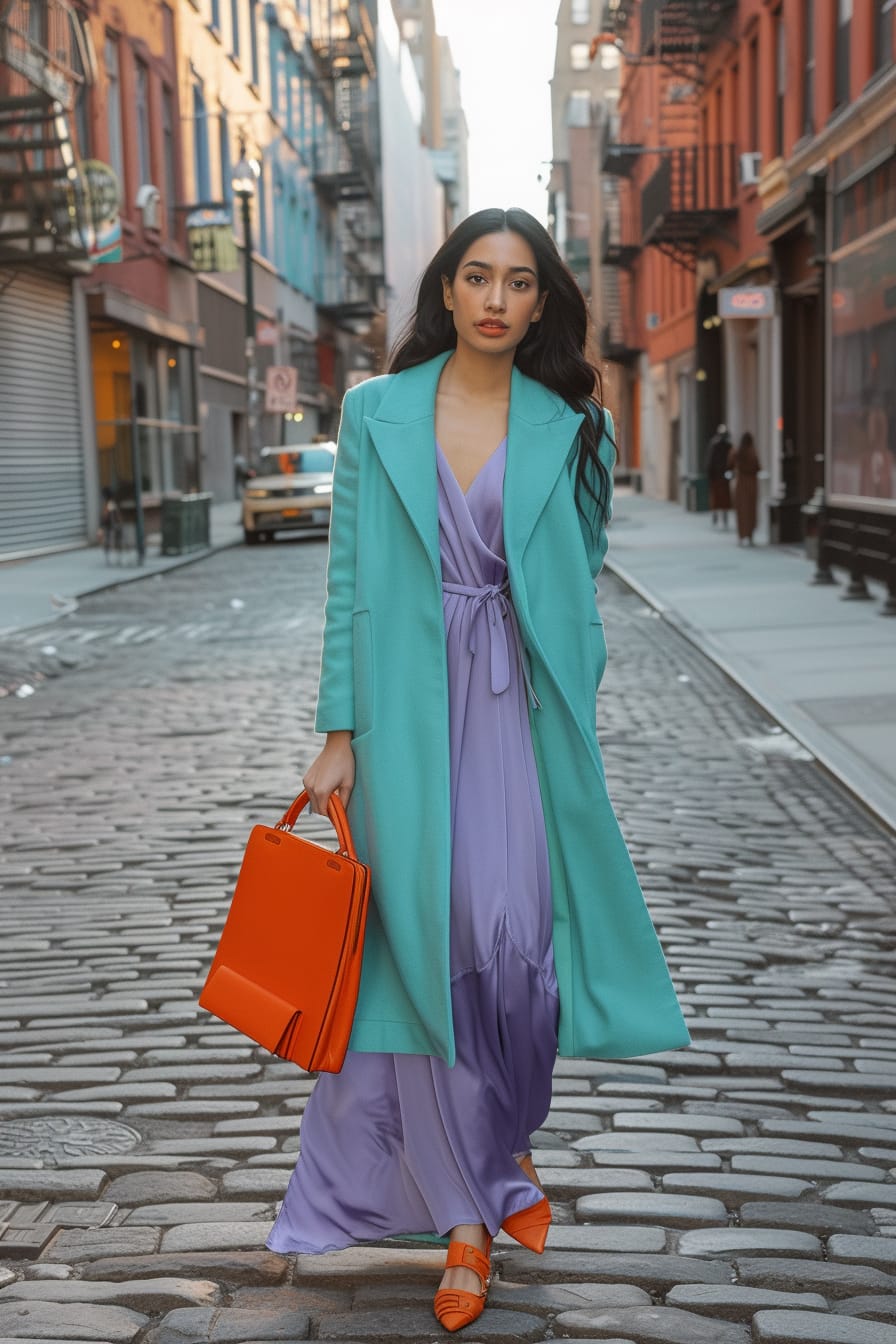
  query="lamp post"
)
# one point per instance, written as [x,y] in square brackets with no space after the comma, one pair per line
[245,175]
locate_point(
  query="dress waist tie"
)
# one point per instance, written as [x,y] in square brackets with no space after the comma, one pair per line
[495,598]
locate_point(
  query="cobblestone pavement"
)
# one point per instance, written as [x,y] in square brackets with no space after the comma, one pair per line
[741,1190]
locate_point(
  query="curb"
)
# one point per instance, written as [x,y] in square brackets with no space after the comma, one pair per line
[881,810]
[122,578]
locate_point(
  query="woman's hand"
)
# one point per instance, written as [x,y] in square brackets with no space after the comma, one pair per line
[333,771]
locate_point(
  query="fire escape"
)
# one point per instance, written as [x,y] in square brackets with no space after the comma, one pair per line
[620,246]
[345,163]
[676,33]
[45,58]
[681,194]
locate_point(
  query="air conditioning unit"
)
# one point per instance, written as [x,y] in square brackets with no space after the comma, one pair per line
[750,168]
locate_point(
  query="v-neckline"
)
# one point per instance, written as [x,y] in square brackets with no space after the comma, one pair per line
[465,494]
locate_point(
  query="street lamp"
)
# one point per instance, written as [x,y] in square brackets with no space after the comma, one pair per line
[243,180]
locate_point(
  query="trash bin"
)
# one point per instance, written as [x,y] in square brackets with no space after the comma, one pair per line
[185,523]
[696,499]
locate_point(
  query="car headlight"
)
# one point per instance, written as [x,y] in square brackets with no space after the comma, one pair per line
[257,494]
[323,489]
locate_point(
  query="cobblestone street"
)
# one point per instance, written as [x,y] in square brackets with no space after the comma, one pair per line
[738,1192]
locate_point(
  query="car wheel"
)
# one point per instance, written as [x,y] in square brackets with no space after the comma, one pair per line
[251,538]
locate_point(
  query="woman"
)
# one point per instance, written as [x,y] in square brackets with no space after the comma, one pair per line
[717,472]
[462,652]
[744,462]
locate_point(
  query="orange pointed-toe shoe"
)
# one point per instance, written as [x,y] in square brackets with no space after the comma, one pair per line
[455,1308]
[530,1226]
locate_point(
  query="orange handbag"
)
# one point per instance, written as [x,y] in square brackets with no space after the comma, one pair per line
[288,966]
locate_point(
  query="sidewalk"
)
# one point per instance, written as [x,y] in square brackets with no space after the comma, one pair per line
[823,667]
[35,591]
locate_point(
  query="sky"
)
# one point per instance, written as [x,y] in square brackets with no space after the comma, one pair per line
[504,50]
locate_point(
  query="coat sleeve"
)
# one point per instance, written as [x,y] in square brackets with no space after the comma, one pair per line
[335,698]
[596,541]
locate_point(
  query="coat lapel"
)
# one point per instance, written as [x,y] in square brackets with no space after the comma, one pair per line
[403,434]
[540,433]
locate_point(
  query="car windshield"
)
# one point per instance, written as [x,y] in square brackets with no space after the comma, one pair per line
[291,462]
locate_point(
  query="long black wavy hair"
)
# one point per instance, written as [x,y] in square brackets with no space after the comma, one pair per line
[552,351]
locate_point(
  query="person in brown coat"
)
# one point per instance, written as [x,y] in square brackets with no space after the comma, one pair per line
[744,462]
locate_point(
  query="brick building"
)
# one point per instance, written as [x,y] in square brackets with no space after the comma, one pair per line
[584,95]
[755,244]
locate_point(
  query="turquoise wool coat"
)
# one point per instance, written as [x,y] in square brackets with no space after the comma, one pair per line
[384,677]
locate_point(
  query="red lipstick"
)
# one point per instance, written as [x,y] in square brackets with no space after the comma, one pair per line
[492,327]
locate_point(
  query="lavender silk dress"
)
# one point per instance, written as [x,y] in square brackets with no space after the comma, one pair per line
[401,1143]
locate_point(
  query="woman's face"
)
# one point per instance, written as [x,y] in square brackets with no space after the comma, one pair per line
[494,294]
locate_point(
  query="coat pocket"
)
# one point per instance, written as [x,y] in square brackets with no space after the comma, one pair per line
[362,671]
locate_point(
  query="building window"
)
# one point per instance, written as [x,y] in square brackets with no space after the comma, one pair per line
[224,155]
[581,11]
[141,99]
[808,67]
[579,56]
[578,108]
[883,33]
[253,41]
[216,15]
[841,53]
[82,106]
[201,167]
[235,27]
[609,56]
[113,107]
[780,80]
[168,163]
[753,95]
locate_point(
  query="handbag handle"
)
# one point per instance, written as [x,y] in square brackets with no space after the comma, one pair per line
[336,813]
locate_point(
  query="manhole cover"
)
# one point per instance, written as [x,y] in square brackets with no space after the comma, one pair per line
[50,1137]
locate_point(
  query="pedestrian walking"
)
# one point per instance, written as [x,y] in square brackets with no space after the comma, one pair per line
[462,654]
[744,462]
[717,473]
[111,528]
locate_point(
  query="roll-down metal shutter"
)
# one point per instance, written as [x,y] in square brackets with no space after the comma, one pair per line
[42,502]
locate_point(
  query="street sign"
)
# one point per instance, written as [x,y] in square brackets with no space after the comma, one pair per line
[281,388]
[747,301]
[266,332]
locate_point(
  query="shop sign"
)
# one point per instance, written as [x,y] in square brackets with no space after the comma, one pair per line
[747,301]
[281,388]
[103,193]
[211,241]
